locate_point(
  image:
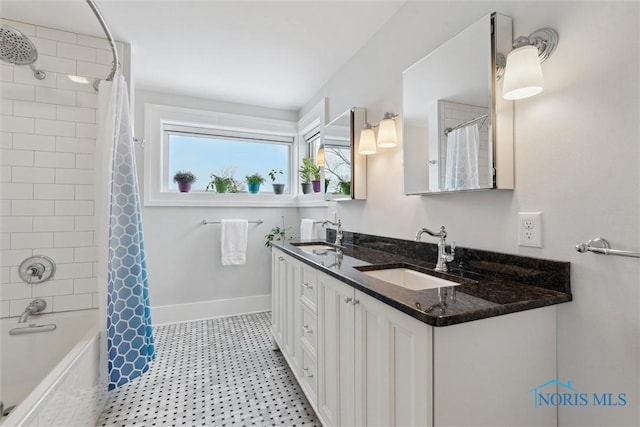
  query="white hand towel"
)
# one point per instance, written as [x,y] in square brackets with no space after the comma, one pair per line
[307,229]
[234,241]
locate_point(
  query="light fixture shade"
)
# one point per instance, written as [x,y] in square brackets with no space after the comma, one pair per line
[387,137]
[367,143]
[523,74]
[320,156]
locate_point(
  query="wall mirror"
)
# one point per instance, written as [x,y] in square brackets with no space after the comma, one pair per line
[345,170]
[457,129]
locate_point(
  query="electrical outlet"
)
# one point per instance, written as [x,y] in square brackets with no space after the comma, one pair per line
[530,229]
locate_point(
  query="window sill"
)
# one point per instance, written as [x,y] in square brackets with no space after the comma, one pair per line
[312,200]
[236,200]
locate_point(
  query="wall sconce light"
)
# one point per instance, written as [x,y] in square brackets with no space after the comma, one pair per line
[523,74]
[387,136]
[320,156]
[367,143]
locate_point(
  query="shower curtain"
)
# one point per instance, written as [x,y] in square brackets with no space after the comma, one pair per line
[461,166]
[127,336]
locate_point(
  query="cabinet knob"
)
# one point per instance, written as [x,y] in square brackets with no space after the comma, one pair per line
[355,301]
[308,286]
[280,259]
[307,373]
[307,329]
[348,299]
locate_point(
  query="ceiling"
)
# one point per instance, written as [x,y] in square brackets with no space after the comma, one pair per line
[265,53]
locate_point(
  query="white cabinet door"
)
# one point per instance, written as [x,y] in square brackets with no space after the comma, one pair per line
[291,309]
[278,276]
[392,366]
[335,352]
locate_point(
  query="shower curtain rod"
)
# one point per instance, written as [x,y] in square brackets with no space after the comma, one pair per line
[447,131]
[112,43]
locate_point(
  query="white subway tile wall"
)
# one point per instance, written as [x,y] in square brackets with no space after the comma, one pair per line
[47,169]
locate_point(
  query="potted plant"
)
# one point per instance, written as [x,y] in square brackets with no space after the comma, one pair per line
[277,187]
[184,179]
[224,182]
[315,182]
[277,233]
[345,187]
[219,183]
[308,171]
[253,182]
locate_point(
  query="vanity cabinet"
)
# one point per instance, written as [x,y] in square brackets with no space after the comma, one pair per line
[362,362]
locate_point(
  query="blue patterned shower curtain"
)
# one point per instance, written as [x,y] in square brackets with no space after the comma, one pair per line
[128,345]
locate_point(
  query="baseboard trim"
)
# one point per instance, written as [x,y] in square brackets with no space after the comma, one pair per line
[189,312]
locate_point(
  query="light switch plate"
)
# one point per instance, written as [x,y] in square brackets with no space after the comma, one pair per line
[530,229]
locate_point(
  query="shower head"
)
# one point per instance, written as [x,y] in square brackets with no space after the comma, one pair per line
[16,48]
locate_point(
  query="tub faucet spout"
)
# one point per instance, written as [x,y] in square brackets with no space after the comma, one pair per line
[34,307]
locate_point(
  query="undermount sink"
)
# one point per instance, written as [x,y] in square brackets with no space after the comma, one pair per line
[318,249]
[408,278]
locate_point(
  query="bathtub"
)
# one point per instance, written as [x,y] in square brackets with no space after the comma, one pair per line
[52,377]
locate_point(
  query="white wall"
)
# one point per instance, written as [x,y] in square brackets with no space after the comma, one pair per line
[577,160]
[184,256]
[47,171]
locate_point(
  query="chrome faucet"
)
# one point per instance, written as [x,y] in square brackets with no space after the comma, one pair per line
[443,293]
[34,307]
[337,259]
[443,256]
[338,224]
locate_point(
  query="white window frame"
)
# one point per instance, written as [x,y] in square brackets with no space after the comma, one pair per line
[311,122]
[157,117]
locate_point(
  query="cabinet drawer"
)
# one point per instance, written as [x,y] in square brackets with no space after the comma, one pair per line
[309,284]
[308,375]
[309,331]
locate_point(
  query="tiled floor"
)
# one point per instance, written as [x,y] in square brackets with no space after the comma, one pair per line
[218,372]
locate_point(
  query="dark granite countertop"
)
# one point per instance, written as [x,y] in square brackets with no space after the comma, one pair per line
[491,284]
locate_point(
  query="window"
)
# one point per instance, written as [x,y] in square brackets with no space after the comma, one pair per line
[312,140]
[206,142]
[228,154]
[337,167]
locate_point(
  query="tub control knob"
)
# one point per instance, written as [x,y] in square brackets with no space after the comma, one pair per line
[37,269]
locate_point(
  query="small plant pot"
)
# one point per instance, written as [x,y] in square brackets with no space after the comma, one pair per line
[222,187]
[316,185]
[253,187]
[184,187]
[278,188]
[345,187]
[307,187]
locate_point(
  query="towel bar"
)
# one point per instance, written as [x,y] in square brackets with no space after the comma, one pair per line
[601,246]
[205,222]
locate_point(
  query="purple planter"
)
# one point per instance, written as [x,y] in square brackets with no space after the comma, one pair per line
[184,187]
[316,185]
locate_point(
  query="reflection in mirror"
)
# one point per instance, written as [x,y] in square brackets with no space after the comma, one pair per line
[463,147]
[345,168]
[451,116]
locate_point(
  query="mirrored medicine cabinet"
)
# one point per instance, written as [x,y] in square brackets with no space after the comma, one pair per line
[345,168]
[457,129]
